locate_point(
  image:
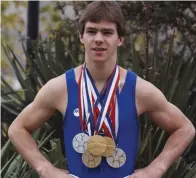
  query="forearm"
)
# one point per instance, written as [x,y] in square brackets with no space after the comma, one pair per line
[28,148]
[174,147]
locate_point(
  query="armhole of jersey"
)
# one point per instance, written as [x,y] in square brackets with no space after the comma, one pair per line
[70,80]
[66,82]
[134,90]
[133,78]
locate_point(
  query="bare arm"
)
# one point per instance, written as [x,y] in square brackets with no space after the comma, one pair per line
[32,117]
[169,118]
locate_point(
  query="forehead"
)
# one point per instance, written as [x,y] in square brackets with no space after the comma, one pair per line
[101,25]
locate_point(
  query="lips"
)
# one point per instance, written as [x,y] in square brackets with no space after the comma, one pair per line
[99,49]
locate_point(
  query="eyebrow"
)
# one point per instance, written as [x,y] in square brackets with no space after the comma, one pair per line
[102,29]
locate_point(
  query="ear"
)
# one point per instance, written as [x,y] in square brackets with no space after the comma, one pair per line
[81,38]
[120,41]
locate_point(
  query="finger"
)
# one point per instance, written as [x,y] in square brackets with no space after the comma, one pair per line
[137,170]
[132,176]
[70,176]
[73,176]
[64,171]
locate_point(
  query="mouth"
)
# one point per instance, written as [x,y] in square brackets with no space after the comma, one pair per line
[99,49]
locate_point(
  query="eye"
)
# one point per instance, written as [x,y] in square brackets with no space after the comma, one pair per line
[107,33]
[91,32]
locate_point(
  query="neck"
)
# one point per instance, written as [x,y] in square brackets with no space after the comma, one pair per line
[100,71]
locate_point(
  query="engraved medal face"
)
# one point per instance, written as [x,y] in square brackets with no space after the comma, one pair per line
[90,161]
[117,159]
[110,147]
[96,145]
[80,142]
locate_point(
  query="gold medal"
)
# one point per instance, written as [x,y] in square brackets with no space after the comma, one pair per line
[90,161]
[96,145]
[110,147]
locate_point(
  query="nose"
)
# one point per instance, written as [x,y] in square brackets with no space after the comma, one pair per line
[99,38]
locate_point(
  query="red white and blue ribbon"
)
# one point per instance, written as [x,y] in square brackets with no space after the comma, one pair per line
[109,99]
[99,111]
[84,114]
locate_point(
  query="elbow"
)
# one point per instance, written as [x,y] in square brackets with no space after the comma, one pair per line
[191,129]
[13,130]
[192,133]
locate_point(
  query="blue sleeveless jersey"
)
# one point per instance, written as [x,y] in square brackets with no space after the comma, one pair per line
[128,131]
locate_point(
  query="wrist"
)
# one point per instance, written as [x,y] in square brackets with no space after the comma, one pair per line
[43,168]
[157,167]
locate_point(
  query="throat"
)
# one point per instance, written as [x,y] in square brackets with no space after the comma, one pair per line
[100,72]
[100,86]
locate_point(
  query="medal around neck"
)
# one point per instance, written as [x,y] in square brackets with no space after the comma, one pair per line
[96,145]
[110,147]
[117,159]
[80,142]
[90,161]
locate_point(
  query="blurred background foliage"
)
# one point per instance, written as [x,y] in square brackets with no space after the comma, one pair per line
[160,46]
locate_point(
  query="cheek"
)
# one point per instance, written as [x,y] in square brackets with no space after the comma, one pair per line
[87,43]
[113,46]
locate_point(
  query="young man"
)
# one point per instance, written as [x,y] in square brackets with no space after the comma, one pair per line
[101,102]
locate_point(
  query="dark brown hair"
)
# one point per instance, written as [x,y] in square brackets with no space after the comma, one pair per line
[103,10]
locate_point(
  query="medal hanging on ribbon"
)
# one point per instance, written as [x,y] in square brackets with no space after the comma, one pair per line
[110,122]
[103,121]
[80,140]
[100,112]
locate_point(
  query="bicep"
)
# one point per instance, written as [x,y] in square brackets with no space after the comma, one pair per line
[33,116]
[169,117]
[163,113]
[38,112]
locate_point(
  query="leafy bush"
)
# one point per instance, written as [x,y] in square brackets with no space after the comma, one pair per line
[167,64]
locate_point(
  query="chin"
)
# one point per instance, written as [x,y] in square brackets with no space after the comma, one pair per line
[99,59]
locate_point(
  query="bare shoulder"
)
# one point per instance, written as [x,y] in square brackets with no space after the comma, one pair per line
[49,99]
[53,93]
[77,72]
[57,84]
[151,100]
[123,74]
[148,96]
